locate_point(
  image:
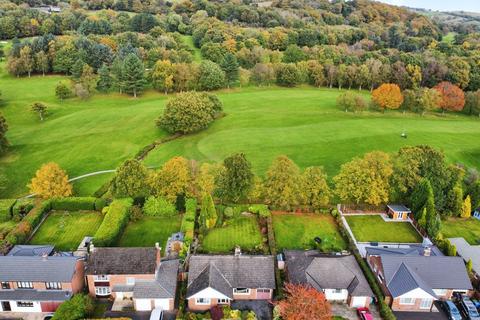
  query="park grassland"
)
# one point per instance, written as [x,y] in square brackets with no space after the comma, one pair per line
[460,227]
[302,123]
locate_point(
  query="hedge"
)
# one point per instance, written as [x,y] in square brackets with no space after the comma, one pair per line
[6,209]
[114,222]
[74,203]
[22,207]
[188,220]
[260,209]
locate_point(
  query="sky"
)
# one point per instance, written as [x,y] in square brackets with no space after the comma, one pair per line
[441,5]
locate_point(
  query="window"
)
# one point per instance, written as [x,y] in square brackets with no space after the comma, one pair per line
[222,301]
[130,281]
[202,301]
[241,291]
[24,304]
[261,290]
[337,290]
[24,285]
[101,277]
[5,285]
[440,292]
[53,285]
[426,303]
[407,301]
[102,291]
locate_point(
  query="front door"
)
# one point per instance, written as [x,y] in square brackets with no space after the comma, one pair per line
[6,306]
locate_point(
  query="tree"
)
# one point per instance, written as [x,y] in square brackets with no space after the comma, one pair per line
[62,91]
[41,62]
[422,219]
[466,208]
[208,213]
[190,112]
[293,54]
[365,180]
[230,66]
[304,303]
[236,180]
[130,180]
[211,76]
[452,97]
[133,75]
[315,190]
[172,180]
[26,60]
[88,79]
[105,81]
[387,96]
[472,103]
[40,109]
[458,71]
[287,75]
[456,199]
[283,184]
[3,134]
[80,306]
[50,181]
[420,195]
[162,75]
[469,266]
[451,249]
[206,177]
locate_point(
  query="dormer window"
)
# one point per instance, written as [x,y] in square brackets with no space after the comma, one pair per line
[5,285]
[241,291]
[24,285]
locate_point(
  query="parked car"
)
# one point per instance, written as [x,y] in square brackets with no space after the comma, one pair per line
[451,310]
[364,314]
[157,314]
[468,309]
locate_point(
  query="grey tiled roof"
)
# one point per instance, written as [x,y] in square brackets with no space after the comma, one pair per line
[122,261]
[34,295]
[468,252]
[404,272]
[163,287]
[30,250]
[398,208]
[326,271]
[224,273]
[50,269]
[412,250]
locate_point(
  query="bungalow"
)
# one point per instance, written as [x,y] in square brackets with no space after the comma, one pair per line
[338,277]
[414,282]
[398,212]
[35,283]
[216,279]
[134,277]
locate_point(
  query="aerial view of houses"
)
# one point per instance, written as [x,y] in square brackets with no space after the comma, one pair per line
[239,159]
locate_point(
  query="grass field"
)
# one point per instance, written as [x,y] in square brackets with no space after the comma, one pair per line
[66,230]
[372,228]
[241,231]
[298,232]
[148,230]
[197,56]
[466,228]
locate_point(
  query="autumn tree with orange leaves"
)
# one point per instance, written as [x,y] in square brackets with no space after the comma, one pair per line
[388,96]
[304,303]
[452,97]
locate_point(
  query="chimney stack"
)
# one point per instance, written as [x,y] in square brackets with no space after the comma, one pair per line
[44,256]
[159,253]
[238,251]
[92,248]
[427,251]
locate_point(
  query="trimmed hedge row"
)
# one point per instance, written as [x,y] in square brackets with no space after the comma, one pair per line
[188,220]
[74,203]
[22,207]
[6,209]
[114,222]
[260,209]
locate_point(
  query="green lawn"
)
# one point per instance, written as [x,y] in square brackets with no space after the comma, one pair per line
[466,228]
[372,228]
[148,230]
[66,230]
[242,231]
[197,56]
[293,231]
[449,37]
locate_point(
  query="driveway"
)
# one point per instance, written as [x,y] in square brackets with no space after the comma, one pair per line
[344,311]
[262,308]
[138,315]
[420,315]
[24,316]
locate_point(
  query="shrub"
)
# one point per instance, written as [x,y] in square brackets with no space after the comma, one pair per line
[158,206]
[100,203]
[74,203]
[6,209]
[260,209]
[114,222]
[79,307]
[228,212]
[22,207]
[22,230]
[188,220]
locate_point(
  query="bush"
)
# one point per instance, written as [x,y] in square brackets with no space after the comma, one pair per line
[188,220]
[114,222]
[158,206]
[100,203]
[79,307]
[22,207]
[6,209]
[260,209]
[74,203]
[228,212]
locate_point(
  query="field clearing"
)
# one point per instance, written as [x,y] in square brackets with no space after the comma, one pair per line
[372,228]
[65,230]
[469,229]
[294,231]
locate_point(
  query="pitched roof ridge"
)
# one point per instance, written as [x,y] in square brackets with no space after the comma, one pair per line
[212,264]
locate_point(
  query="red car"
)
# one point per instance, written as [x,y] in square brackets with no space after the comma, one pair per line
[364,314]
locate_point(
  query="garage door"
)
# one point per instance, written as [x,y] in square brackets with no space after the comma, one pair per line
[164,304]
[358,302]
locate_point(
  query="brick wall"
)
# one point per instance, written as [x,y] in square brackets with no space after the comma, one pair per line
[396,306]
[116,280]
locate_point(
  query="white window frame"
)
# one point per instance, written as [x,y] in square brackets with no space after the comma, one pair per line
[244,291]
[337,290]
[263,290]
[407,301]
[223,301]
[24,304]
[440,292]
[24,285]
[101,277]
[429,300]
[102,291]
[202,301]
[130,281]
[53,285]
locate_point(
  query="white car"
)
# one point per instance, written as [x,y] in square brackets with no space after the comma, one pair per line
[157,314]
